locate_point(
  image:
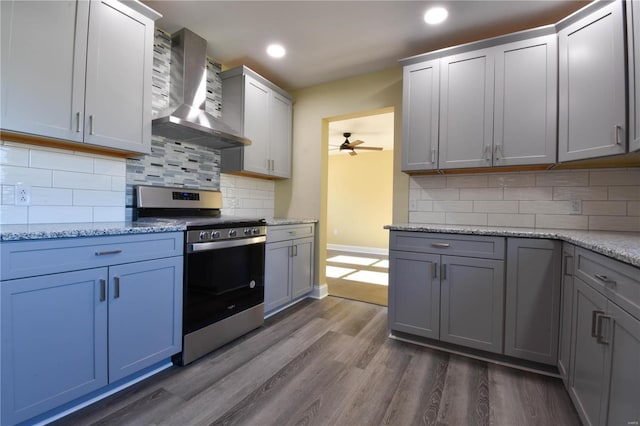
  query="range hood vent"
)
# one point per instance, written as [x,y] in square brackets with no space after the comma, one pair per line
[186,119]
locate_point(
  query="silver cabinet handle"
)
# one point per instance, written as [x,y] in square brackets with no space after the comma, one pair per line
[434,270]
[91,124]
[600,338]
[604,278]
[496,151]
[78,122]
[443,274]
[116,287]
[487,153]
[292,232]
[566,265]
[104,253]
[440,245]
[594,320]
[616,134]
[433,156]
[103,290]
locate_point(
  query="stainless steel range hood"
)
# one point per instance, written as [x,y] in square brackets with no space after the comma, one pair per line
[186,120]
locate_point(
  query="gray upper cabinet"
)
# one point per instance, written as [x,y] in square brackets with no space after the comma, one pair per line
[262,112]
[526,87]
[532,299]
[592,97]
[633,44]
[466,110]
[420,105]
[564,350]
[92,85]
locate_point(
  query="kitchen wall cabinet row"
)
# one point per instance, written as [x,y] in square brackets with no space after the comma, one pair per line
[289,259]
[78,71]
[263,113]
[600,341]
[80,314]
[499,102]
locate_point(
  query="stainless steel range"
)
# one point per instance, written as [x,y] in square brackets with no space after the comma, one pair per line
[223,266]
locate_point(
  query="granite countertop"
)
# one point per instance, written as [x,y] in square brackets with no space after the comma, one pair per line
[623,246]
[279,221]
[71,230]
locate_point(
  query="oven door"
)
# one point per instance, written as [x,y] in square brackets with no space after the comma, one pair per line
[222,278]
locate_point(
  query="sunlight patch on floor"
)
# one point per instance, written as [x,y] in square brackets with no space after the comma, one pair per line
[379,278]
[353,260]
[337,272]
[382,264]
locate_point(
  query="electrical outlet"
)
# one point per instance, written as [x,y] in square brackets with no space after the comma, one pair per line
[576,207]
[23,195]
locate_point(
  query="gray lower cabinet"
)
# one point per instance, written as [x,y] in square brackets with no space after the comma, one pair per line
[566,300]
[532,307]
[289,260]
[447,287]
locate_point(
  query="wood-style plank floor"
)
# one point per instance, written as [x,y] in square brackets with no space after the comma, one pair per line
[330,362]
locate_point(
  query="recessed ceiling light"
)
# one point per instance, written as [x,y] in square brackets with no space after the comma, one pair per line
[276,51]
[435,15]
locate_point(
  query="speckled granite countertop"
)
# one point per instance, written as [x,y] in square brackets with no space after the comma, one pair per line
[623,246]
[277,221]
[71,230]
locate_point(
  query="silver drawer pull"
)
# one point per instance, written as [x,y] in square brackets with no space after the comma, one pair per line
[440,245]
[605,279]
[600,338]
[103,290]
[116,287]
[104,253]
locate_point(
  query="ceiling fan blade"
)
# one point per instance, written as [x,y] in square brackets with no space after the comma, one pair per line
[356,142]
[352,153]
[370,148]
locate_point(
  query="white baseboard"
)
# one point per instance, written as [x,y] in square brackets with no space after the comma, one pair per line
[359,249]
[319,292]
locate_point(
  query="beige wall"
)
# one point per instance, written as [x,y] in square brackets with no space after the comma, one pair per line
[359,198]
[305,194]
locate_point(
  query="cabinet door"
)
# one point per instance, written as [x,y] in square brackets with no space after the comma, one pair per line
[526,85]
[54,341]
[622,364]
[420,106]
[256,125]
[302,267]
[414,293]
[472,302]
[532,307]
[587,355]
[633,44]
[280,135]
[564,352]
[44,45]
[118,90]
[592,112]
[466,110]
[145,314]
[277,291]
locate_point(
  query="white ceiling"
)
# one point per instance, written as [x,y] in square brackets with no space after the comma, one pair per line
[374,130]
[330,40]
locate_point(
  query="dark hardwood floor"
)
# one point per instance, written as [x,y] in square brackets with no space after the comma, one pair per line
[330,362]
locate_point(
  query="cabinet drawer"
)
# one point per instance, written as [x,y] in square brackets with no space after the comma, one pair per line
[619,281]
[30,258]
[289,232]
[451,244]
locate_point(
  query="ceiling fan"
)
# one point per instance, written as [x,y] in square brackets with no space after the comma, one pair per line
[352,146]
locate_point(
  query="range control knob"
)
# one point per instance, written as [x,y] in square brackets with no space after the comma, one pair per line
[215,234]
[233,233]
[204,235]
[255,231]
[247,231]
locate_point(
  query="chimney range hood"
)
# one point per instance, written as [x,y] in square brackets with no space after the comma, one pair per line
[186,120]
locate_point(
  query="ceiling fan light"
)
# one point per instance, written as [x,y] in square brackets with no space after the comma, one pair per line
[276,50]
[435,15]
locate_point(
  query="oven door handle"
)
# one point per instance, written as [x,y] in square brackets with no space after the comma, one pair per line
[215,245]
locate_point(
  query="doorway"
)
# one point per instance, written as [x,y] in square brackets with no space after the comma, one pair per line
[359,204]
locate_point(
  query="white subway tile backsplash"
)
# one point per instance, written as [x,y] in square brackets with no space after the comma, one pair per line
[453,206]
[466,219]
[118,183]
[11,175]
[427,217]
[13,215]
[75,180]
[630,193]
[58,214]
[110,167]
[515,220]
[482,194]
[614,223]
[546,207]
[82,197]
[440,194]
[633,208]
[615,177]
[59,161]
[580,193]
[528,194]
[561,221]
[467,181]
[108,214]
[604,208]
[495,206]
[423,206]
[552,178]
[512,179]
[425,182]
[14,156]
[51,196]
[8,195]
